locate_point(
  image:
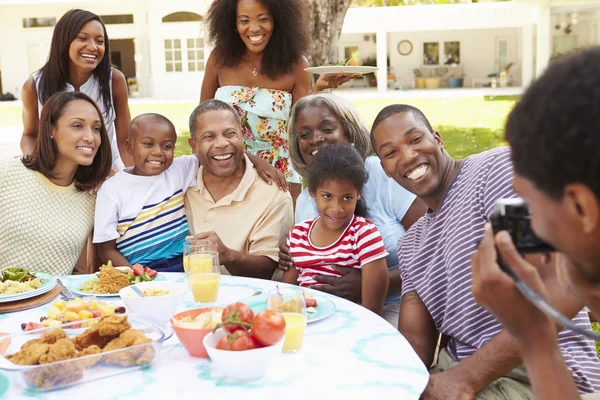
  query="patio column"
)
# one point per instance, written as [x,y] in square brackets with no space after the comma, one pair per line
[526,55]
[382,61]
[544,37]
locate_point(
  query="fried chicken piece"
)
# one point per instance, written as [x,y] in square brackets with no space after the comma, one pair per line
[113,325]
[54,375]
[63,349]
[111,280]
[107,329]
[88,362]
[54,335]
[137,355]
[30,353]
[90,337]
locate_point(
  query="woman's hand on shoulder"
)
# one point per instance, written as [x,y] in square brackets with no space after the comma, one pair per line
[267,172]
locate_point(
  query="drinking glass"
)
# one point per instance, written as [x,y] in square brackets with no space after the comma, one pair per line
[291,304]
[204,276]
[194,246]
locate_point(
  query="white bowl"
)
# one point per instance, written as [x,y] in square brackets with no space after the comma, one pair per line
[158,308]
[246,365]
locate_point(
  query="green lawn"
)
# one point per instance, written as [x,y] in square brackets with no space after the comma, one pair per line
[467,124]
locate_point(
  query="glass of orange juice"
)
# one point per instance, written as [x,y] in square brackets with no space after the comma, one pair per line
[204,276]
[194,246]
[290,303]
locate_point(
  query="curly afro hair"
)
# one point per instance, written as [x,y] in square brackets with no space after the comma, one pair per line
[287,44]
[554,131]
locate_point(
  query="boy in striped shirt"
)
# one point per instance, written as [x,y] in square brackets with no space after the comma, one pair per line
[140,215]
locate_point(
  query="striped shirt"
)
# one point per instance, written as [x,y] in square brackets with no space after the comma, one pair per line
[146,214]
[435,262]
[357,246]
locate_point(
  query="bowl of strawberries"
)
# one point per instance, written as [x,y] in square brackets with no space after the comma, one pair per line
[244,339]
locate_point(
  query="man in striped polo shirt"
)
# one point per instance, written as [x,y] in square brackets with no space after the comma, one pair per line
[555,143]
[481,360]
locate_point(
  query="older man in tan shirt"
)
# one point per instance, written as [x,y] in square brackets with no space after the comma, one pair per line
[245,218]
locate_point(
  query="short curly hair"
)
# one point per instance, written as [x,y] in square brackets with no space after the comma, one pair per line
[554,130]
[285,48]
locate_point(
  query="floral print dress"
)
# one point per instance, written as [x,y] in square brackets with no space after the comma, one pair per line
[264,114]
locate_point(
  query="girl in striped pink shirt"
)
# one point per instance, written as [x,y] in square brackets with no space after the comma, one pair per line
[340,235]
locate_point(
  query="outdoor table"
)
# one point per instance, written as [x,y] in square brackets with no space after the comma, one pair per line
[354,354]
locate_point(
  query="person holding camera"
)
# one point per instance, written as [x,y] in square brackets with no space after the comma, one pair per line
[481,360]
[554,133]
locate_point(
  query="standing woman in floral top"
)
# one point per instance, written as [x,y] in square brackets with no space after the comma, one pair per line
[257,66]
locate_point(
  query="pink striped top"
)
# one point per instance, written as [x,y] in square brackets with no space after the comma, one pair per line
[359,244]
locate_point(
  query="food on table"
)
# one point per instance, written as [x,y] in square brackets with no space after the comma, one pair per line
[245,331]
[268,327]
[16,280]
[239,314]
[141,274]
[311,303]
[62,311]
[238,341]
[107,329]
[14,287]
[17,274]
[110,333]
[128,338]
[111,280]
[205,320]
[157,292]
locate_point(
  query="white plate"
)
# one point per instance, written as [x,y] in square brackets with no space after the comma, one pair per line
[336,69]
[48,285]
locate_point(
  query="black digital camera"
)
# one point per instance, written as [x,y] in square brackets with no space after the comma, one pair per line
[513,216]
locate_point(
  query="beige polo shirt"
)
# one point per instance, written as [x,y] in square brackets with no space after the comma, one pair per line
[254,219]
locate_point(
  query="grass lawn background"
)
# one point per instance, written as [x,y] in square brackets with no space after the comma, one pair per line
[468,124]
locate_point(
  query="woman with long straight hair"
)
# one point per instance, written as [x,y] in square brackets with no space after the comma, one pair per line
[79,61]
[46,208]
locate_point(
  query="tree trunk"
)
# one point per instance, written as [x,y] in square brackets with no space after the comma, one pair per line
[325,20]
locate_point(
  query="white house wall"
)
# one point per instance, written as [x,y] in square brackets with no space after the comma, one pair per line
[174,85]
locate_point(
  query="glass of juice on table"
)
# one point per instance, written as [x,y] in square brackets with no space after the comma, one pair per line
[192,247]
[290,303]
[204,276]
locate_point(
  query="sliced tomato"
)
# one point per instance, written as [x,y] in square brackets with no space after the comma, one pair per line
[151,273]
[137,269]
[237,316]
[268,327]
[311,303]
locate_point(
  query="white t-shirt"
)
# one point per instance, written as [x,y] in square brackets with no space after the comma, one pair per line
[146,214]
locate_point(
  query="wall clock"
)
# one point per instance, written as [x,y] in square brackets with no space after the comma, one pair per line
[405,47]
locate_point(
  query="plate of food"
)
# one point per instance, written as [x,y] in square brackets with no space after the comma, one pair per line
[110,280]
[317,307]
[19,283]
[343,67]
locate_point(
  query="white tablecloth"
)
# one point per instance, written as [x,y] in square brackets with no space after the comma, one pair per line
[352,354]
